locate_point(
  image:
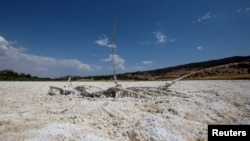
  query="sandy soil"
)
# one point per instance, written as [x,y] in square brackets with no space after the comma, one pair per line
[27,112]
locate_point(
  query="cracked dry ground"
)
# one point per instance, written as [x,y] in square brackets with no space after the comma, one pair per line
[29,113]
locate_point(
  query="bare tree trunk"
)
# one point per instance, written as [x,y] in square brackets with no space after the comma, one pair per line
[113,52]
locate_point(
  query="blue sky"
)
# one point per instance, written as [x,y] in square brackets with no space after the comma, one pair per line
[53,38]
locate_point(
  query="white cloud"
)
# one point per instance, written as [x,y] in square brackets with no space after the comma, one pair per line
[199,48]
[205,16]
[15,59]
[3,43]
[239,10]
[247,9]
[104,41]
[161,38]
[119,62]
[147,62]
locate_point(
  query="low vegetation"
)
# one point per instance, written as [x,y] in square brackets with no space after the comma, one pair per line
[10,75]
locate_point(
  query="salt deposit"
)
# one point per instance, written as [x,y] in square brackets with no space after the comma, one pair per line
[27,112]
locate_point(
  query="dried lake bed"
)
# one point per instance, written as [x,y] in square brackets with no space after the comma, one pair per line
[28,113]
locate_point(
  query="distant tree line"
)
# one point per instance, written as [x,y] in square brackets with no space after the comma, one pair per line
[10,75]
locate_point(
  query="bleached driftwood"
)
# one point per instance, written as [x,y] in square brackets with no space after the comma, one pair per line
[57,90]
[136,92]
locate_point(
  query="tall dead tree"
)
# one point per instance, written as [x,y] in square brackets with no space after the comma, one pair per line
[113,51]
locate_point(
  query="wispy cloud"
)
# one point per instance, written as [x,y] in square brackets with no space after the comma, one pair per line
[159,24]
[16,59]
[140,67]
[205,16]
[199,48]
[103,41]
[136,68]
[119,62]
[147,62]
[172,40]
[240,10]
[161,38]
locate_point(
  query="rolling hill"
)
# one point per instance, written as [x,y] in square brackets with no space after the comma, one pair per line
[240,71]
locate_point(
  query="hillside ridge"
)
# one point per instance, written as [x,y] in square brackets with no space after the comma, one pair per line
[240,71]
[233,72]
